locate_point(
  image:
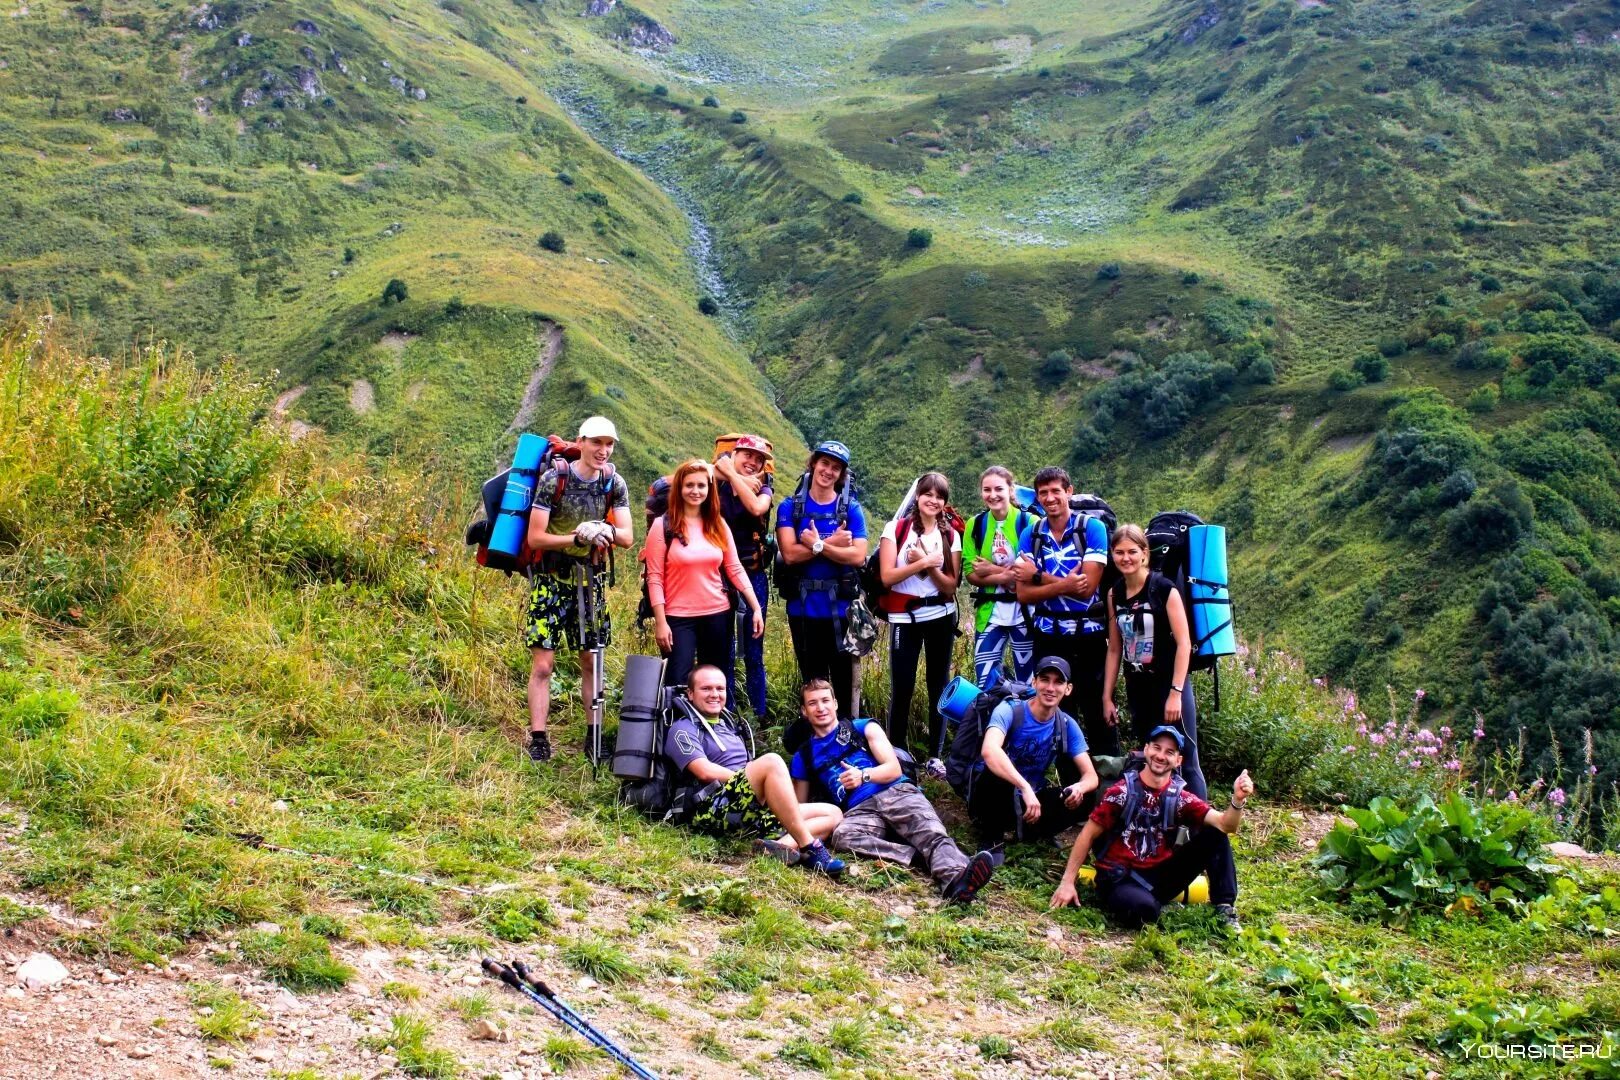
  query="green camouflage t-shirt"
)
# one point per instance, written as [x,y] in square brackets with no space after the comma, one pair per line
[581,501]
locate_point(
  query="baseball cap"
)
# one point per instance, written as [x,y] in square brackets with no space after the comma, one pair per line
[834,449]
[755,443]
[596,427]
[1054,663]
[1166,729]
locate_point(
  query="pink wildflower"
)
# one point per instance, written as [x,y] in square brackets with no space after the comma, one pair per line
[1513,796]
[1557,797]
[1454,765]
[1361,729]
[1318,682]
[1421,694]
[1479,733]
[1445,733]
[1376,738]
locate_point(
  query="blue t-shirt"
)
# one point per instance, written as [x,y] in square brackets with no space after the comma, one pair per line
[821,603]
[826,753]
[1063,558]
[1033,747]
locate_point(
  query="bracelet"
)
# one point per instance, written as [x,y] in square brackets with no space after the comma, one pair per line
[1239,805]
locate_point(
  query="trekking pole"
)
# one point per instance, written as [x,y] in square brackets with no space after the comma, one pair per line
[542,995]
[590,641]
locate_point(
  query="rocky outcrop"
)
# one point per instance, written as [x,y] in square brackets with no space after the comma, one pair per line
[406,88]
[601,7]
[1205,21]
[304,26]
[122,115]
[309,82]
[647,33]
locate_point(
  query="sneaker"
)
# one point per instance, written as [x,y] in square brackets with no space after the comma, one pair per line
[965,889]
[1228,916]
[539,747]
[786,854]
[817,859]
[934,768]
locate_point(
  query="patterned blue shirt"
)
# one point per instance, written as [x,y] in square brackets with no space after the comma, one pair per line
[826,757]
[1063,557]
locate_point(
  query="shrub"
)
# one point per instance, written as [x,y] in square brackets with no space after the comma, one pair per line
[708,306]
[1489,284]
[1391,346]
[711,102]
[349,254]
[1261,371]
[1451,857]
[739,117]
[522,99]
[1482,356]
[1108,271]
[552,240]
[1484,399]
[1491,520]
[394,292]
[919,238]
[1441,343]
[1344,379]
[565,180]
[661,90]
[1057,367]
[1372,366]
[854,198]
[1190,277]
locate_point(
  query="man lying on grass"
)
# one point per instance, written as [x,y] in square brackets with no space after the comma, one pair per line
[741,796]
[1156,837]
[854,763]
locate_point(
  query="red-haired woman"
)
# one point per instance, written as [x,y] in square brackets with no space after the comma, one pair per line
[690,554]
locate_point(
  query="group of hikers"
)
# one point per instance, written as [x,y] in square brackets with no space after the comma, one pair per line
[1043,618]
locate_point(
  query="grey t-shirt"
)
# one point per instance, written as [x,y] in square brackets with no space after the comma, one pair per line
[716,740]
[581,501]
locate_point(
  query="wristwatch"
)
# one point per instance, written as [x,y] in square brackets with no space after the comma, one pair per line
[866,776]
[817,547]
[1175,688]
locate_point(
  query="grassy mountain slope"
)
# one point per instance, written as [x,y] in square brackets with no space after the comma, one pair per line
[223,178]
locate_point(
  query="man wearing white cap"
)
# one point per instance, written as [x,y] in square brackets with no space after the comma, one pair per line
[581,509]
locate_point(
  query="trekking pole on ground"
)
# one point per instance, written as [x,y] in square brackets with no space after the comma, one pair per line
[517,976]
[590,639]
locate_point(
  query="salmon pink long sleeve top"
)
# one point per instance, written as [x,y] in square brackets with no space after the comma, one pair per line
[686,578]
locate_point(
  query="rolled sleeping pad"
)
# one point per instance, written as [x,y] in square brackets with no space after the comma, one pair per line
[959,696]
[1196,893]
[1024,497]
[512,521]
[1212,629]
[636,748]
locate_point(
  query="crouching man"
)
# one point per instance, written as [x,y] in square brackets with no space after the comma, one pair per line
[854,761]
[741,796]
[1136,828]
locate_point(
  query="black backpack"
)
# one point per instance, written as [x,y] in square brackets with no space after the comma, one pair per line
[1135,796]
[967,744]
[846,730]
[1088,506]
[1168,554]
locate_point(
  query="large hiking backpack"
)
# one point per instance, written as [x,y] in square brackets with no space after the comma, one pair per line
[1168,553]
[882,600]
[846,730]
[558,451]
[647,779]
[787,577]
[967,744]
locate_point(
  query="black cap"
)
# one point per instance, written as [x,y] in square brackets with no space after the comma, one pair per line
[1166,729]
[1054,663]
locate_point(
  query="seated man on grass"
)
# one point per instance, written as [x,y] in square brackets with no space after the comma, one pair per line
[1153,837]
[1021,741]
[742,796]
[854,762]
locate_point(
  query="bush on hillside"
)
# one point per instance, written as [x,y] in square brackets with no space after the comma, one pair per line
[1344,379]
[1482,356]
[1484,399]
[1057,367]
[1372,366]
[739,117]
[919,238]
[660,90]
[1108,271]
[552,240]
[394,292]
[711,102]
[1391,346]
[854,198]
[1490,520]
[708,306]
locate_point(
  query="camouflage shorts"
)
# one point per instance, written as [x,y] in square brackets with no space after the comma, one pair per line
[554,614]
[736,809]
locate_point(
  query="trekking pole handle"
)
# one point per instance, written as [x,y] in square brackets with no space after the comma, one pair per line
[500,971]
[523,973]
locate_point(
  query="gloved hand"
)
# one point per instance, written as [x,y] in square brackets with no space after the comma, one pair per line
[597,533]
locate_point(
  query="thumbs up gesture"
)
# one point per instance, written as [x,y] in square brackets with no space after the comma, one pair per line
[1242,787]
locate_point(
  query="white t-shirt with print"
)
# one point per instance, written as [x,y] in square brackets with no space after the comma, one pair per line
[929,543]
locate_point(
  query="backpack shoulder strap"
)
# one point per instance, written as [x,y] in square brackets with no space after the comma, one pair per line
[981,529]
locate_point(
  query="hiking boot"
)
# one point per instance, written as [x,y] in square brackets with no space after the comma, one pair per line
[965,889]
[935,768]
[786,854]
[539,747]
[817,859]
[1228,916]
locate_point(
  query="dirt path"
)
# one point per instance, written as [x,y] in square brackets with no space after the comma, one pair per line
[296,429]
[362,397]
[551,341]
